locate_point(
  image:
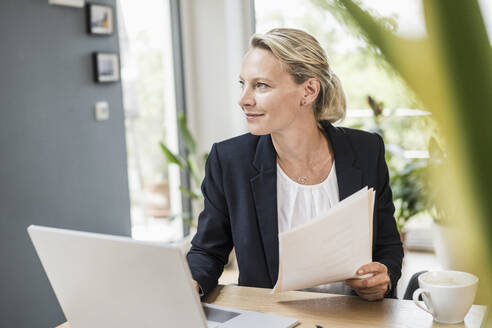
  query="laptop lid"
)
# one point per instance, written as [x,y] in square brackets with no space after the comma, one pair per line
[110,281]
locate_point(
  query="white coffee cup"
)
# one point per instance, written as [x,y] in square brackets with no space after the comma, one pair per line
[447,295]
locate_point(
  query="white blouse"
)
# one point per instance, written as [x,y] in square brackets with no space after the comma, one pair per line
[298,204]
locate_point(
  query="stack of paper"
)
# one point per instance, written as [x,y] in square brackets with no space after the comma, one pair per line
[329,248]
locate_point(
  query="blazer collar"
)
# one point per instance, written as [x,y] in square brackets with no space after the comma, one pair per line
[266,156]
[264,187]
[349,176]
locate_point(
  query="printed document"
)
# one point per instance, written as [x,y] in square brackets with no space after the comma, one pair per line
[330,248]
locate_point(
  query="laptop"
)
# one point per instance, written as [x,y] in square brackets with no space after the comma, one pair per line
[112,281]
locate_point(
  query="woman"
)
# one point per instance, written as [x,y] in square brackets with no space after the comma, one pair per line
[283,172]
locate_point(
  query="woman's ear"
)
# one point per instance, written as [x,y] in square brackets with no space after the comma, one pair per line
[311,91]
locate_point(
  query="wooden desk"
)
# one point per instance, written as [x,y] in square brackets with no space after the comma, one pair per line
[330,310]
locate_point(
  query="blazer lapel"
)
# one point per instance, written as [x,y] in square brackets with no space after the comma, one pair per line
[348,175]
[264,187]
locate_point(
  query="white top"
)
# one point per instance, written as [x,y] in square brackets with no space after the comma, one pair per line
[298,204]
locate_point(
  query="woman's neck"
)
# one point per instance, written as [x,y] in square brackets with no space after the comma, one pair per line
[301,145]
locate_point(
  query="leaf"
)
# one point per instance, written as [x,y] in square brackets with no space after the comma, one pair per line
[185,132]
[189,193]
[450,70]
[173,158]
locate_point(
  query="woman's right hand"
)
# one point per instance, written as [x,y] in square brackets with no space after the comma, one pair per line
[197,286]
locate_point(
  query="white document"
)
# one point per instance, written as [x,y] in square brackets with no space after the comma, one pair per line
[329,248]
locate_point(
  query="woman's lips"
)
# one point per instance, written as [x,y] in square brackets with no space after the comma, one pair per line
[251,116]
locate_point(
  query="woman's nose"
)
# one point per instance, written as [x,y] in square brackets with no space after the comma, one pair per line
[246,99]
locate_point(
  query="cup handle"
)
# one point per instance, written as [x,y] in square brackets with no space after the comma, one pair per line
[425,297]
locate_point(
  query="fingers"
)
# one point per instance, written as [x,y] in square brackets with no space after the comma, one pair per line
[371,288]
[197,287]
[373,267]
[376,280]
[373,293]
[380,276]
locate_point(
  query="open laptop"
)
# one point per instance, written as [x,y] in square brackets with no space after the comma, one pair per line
[111,281]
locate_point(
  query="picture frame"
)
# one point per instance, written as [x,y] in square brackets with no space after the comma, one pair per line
[100,19]
[106,67]
[68,3]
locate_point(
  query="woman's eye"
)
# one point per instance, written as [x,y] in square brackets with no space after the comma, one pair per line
[261,85]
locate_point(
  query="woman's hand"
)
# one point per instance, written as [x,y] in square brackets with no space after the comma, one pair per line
[197,287]
[371,288]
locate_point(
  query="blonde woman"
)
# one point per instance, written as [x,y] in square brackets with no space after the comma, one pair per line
[292,166]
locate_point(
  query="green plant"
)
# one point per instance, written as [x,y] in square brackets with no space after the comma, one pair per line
[409,191]
[408,177]
[191,163]
[450,70]
[412,192]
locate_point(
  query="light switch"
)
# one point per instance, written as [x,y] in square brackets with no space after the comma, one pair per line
[101,110]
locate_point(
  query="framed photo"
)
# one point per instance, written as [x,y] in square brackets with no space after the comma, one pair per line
[100,19]
[106,67]
[68,3]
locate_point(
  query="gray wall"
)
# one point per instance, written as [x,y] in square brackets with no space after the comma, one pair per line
[58,166]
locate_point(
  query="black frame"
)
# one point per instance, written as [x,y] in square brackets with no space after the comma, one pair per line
[90,29]
[180,91]
[181,106]
[97,70]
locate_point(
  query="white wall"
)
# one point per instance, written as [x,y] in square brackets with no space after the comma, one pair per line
[215,38]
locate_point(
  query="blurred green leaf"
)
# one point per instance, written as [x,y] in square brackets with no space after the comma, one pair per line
[188,164]
[171,157]
[189,193]
[451,72]
[185,132]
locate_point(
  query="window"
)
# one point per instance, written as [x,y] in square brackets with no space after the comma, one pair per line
[363,72]
[150,117]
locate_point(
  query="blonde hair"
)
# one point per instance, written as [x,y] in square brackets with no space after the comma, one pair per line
[305,59]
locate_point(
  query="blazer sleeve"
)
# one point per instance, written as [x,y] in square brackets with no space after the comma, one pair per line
[212,243]
[388,248]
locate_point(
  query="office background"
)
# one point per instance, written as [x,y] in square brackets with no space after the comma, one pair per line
[60,167]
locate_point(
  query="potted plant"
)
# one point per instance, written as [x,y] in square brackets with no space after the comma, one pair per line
[190,162]
[194,164]
[408,180]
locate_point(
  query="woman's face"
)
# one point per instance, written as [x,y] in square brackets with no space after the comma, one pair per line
[270,98]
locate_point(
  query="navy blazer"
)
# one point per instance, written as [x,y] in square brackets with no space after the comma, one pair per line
[240,195]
